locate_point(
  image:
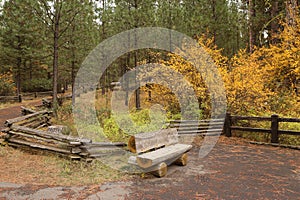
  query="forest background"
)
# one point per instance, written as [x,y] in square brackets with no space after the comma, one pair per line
[254,43]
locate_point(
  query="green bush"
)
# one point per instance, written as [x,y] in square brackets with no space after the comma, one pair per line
[142,122]
[7,85]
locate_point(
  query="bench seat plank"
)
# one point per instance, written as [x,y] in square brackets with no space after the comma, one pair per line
[153,158]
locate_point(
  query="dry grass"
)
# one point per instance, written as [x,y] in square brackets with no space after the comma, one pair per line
[21,167]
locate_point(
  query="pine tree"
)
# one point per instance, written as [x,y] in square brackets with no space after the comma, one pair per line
[21,38]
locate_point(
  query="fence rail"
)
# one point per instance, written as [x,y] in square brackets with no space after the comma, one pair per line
[274,130]
[25,96]
[5,99]
[202,127]
[26,132]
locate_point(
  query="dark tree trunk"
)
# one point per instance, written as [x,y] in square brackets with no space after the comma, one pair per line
[19,63]
[55,52]
[274,23]
[251,26]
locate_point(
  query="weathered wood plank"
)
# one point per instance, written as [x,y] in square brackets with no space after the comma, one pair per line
[9,122]
[200,124]
[39,146]
[39,139]
[26,111]
[235,118]
[201,132]
[197,121]
[153,158]
[288,120]
[104,144]
[288,132]
[146,141]
[262,130]
[45,134]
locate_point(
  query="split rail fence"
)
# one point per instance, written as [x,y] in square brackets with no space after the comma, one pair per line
[31,132]
[274,130]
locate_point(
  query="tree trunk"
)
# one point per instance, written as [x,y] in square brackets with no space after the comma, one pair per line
[251,11]
[55,54]
[215,18]
[19,63]
[291,11]
[274,23]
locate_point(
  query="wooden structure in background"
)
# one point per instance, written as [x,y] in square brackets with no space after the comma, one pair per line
[232,121]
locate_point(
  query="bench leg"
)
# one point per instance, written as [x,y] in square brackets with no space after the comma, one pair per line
[182,161]
[161,171]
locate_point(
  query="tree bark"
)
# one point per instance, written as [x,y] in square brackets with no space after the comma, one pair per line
[274,23]
[55,52]
[291,11]
[251,11]
[19,63]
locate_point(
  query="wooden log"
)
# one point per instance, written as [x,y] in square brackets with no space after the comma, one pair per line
[8,98]
[146,141]
[37,150]
[44,134]
[43,125]
[47,103]
[161,171]
[38,146]
[58,129]
[101,149]
[26,111]
[31,120]
[182,161]
[152,158]
[5,130]
[104,144]
[9,122]
[40,139]
[36,124]
[76,150]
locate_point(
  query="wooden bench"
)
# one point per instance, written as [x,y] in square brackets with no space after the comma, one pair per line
[156,150]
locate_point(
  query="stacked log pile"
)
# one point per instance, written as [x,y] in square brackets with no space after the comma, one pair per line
[26,133]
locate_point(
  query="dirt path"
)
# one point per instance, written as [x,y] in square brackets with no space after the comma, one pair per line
[14,111]
[231,171]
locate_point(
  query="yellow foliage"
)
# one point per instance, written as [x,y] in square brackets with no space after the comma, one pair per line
[266,81]
[260,83]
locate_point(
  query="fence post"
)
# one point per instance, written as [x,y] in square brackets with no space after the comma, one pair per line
[20,98]
[274,129]
[227,125]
